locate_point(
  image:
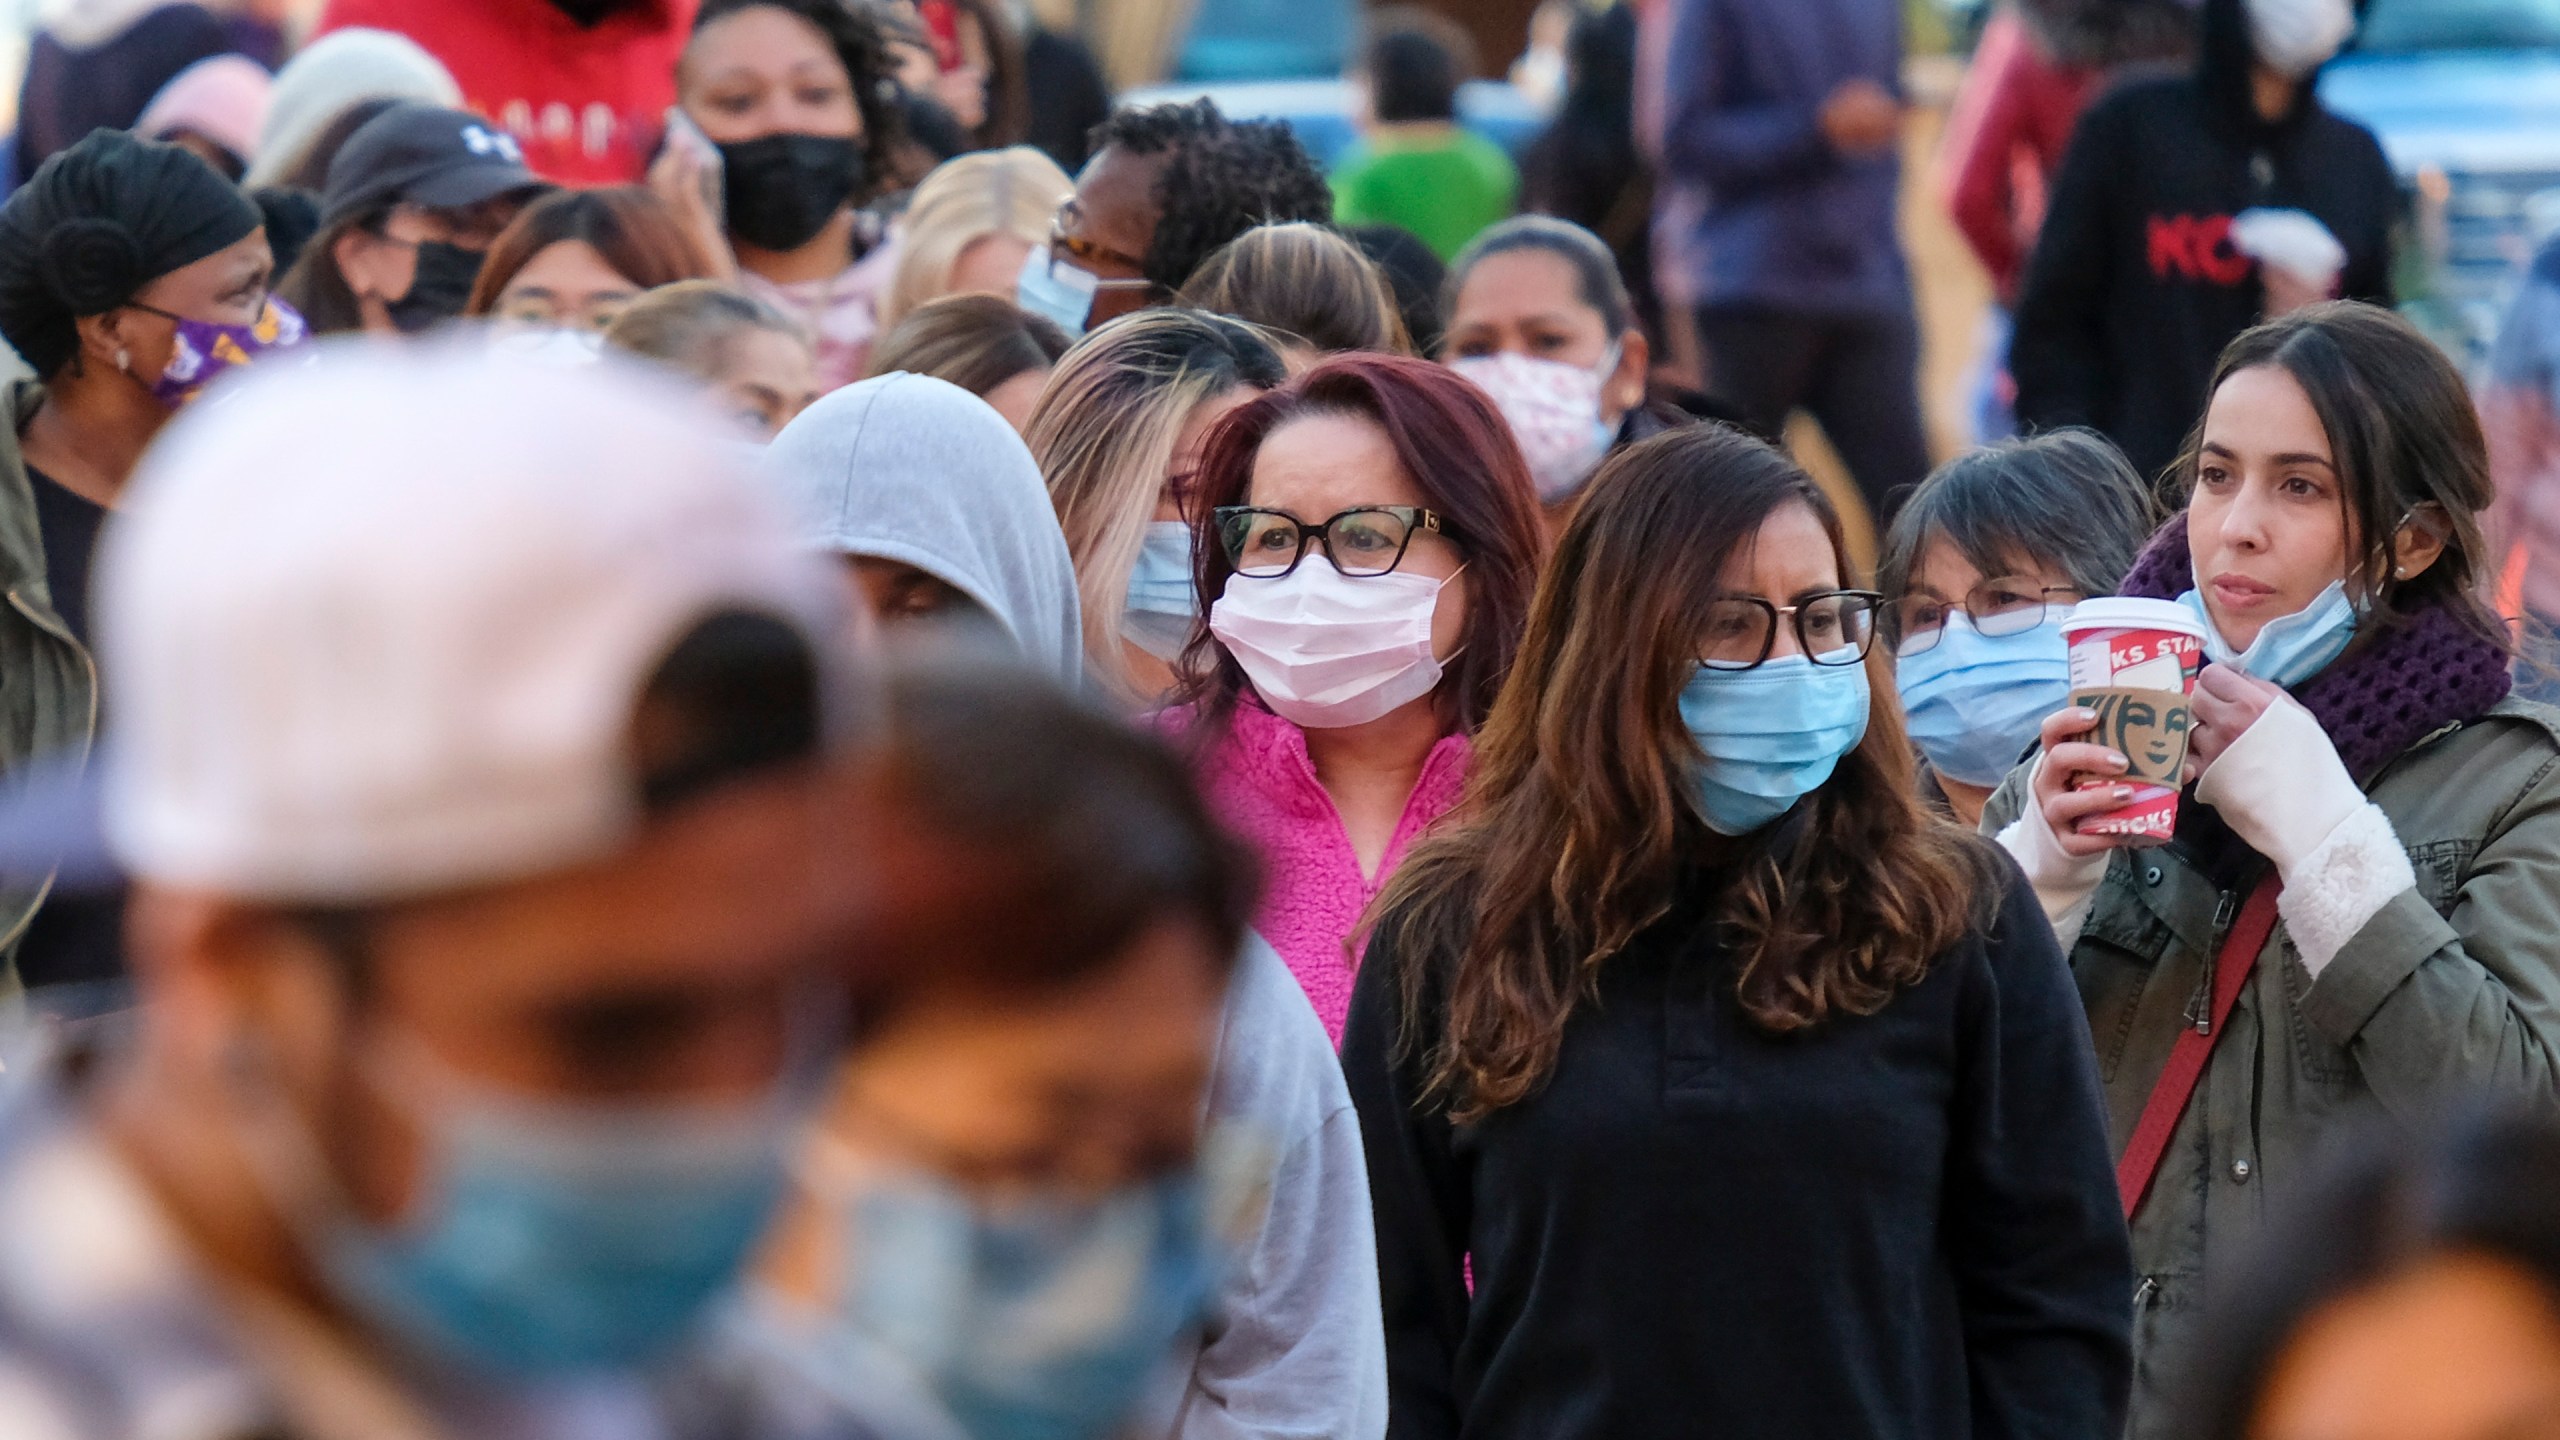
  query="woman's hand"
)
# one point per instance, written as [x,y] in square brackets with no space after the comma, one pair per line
[687,176]
[2073,782]
[2225,705]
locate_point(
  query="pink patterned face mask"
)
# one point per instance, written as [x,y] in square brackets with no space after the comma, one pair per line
[1554,410]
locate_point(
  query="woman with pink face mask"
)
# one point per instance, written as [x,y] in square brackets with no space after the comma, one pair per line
[1540,321]
[1370,538]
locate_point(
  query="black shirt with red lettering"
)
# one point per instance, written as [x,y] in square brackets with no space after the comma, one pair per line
[2134,288]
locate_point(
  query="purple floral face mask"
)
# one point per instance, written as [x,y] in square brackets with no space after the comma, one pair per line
[206,348]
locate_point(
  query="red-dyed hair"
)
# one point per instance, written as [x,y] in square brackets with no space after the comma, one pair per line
[1458,450]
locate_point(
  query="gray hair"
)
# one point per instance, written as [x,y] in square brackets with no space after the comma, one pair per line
[2066,498]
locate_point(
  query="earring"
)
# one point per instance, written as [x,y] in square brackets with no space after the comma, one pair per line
[124,361]
[2402,572]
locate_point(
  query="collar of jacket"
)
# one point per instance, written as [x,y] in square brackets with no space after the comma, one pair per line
[21,543]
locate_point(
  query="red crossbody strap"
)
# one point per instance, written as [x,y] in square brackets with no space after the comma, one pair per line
[2231,969]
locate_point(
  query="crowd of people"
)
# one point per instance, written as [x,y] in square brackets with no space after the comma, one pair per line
[733,720]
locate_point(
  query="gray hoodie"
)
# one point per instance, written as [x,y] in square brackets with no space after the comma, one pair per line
[908,468]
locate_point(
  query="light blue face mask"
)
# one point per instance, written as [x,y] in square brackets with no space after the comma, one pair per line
[1975,702]
[1043,1320]
[1770,735]
[1162,609]
[556,1239]
[2290,648]
[1055,289]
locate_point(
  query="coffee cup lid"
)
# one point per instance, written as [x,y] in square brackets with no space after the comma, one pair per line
[2132,612]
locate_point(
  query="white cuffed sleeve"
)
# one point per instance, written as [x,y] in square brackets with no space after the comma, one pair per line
[2282,788]
[2066,885]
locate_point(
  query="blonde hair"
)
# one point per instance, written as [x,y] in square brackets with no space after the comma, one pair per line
[1015,191]
[689,325]
[1306,283]
[1104,433]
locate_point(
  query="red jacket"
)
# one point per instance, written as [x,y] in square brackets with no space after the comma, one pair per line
[2012,120]
[587,104]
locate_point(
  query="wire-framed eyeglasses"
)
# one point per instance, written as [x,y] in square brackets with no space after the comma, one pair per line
[2006,605]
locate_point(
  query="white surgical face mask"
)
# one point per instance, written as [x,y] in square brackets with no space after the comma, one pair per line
[1325,650]
[2295,37]
[1554,412]
[1060,291]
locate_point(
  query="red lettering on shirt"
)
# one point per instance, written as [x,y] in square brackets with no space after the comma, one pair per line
[2195,247]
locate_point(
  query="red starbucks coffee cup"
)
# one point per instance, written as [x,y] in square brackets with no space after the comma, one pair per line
[2134,662]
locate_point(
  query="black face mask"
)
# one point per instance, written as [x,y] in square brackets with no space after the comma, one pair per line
[783,189]
[440,288]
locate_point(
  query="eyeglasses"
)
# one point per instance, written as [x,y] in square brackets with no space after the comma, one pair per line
[2009,605]
[1365,540]
[1833,627]
[1064,242]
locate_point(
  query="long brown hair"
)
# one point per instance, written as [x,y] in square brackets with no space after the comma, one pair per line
[1579,825]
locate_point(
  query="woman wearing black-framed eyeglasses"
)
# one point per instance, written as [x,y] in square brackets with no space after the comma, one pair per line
[1367,537]
[1710,1084]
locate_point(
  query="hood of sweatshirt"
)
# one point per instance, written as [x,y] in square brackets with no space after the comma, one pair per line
[908,468]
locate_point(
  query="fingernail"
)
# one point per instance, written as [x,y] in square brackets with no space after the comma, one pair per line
[2124,792]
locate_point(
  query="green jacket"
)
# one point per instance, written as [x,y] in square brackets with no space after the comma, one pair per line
[48,687]
[2454,984]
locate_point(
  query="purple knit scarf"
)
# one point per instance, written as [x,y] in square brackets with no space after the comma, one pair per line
[2388,692]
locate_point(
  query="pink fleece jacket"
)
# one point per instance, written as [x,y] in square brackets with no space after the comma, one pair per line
[1259,781]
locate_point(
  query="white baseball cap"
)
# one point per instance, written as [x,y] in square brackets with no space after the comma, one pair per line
[375,626]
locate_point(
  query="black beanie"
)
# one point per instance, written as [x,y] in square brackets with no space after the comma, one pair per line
[95,224]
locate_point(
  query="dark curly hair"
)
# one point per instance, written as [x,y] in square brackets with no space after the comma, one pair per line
[855,33]
[1223,178]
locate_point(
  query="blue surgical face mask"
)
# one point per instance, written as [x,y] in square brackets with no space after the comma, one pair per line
[1041,1319]
[552,1239]
[1976,701]
[2290,648]
[1770,735]
[1162,609]
[1055,289]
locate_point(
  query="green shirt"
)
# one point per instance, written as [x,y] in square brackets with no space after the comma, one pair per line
[1444,189]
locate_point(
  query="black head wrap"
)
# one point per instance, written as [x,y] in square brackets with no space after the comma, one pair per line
[97,223]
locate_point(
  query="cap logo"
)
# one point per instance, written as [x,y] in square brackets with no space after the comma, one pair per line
[481,141]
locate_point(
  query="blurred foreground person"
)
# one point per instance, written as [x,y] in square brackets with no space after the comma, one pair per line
[1119,433]
[2413,1293]
[1983,562]
[1167,185]
[1710,1084]
[1014,1207]
[755,361]
[131,277]
[466,777]
[2188,208]
[2356,906]
[937,514]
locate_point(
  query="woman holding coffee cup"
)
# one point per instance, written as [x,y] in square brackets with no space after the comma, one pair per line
[2358,901]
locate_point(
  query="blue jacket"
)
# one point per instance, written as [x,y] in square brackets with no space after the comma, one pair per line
[1788,223]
